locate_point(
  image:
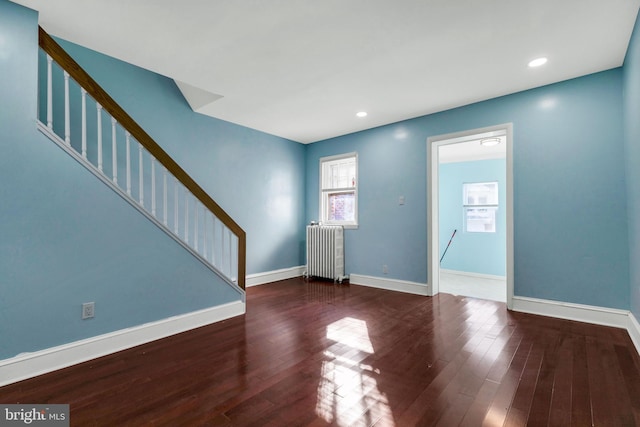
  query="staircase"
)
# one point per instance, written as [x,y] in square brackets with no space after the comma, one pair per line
[81,118]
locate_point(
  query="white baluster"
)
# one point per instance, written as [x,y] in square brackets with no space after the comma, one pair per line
[140,175]
[164,196]
[128,142]
[84,123]
[204,232]
[175,206]
[195,225]
[153,186]
[213,240]
[67,112]
[186,215]
[222,247]
[114,151]
[49,92]
[99,125]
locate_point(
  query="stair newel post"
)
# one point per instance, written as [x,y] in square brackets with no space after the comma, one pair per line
[67,111]
[114,152]
[164,196]
[99,126]
[140,176]
[128,160]
[49,92]
[230,234]
[153,186]
[84,122]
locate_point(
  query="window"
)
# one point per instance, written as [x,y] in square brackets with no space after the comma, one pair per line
[339,190]
[480,204]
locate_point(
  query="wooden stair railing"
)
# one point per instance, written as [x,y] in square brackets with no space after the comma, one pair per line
[103,100]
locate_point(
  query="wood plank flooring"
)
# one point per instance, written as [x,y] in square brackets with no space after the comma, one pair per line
[310,353]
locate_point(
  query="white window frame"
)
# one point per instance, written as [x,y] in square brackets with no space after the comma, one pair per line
[324,192]
[490,206]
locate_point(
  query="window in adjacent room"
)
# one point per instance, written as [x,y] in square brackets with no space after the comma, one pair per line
[339,190]
[480,206]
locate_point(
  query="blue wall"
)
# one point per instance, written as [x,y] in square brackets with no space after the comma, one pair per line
[570,214]
[483,253]
[632,146]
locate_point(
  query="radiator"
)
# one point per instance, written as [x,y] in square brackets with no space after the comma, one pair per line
[325,252]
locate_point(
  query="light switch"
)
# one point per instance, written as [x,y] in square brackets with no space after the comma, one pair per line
[401,200]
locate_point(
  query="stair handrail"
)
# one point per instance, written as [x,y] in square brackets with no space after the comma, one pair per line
[55,51]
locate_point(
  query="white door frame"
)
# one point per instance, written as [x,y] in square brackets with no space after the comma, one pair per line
[433,237]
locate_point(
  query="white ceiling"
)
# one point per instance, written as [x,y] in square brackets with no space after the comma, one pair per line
[301,69]
[471,151]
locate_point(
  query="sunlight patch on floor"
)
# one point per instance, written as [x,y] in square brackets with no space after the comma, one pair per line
[348,393]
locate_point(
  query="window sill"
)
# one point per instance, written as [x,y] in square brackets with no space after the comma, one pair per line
[345,226]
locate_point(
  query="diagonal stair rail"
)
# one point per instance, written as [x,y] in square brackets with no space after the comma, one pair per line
[86,122]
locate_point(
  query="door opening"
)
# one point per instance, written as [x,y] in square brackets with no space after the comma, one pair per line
[464,198]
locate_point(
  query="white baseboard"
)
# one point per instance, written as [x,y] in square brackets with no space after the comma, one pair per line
[582,313]
[28,365]
[570,311]
[274,276]
[390,284]
[470,274]
[634,331]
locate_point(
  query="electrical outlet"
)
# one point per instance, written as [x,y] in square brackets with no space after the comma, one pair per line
[385,269]
[88,310]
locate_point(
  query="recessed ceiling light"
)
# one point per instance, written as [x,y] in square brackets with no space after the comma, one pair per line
[490,142]
[537,62]
[361,114]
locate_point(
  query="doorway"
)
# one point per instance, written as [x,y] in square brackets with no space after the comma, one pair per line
[477,212]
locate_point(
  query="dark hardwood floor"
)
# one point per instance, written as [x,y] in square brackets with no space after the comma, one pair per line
[316,354]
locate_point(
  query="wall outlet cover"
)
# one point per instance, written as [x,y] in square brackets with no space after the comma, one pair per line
[88,310]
